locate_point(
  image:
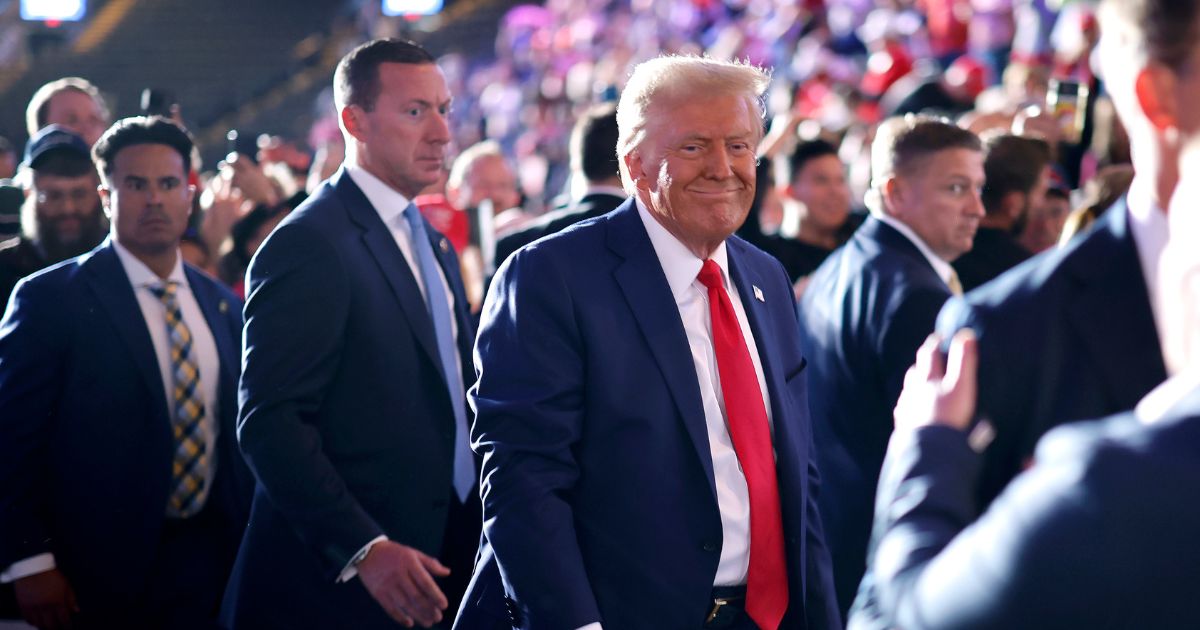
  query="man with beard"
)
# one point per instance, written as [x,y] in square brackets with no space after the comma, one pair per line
[61,217]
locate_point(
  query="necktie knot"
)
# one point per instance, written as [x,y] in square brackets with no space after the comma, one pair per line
[710,275]
[165,291]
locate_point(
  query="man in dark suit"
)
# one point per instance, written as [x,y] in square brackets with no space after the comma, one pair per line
[626,485]
[353,410]
[122,494]
[1072,333]
[593,151]
[1016,174]
[869,306]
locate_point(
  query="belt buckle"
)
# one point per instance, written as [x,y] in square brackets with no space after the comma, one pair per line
[718,604]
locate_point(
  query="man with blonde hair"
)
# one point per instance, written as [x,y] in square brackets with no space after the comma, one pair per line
[72,102]
[640,406]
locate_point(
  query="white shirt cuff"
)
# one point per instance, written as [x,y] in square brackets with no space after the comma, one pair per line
[595,625]
[29,566]
[351,569]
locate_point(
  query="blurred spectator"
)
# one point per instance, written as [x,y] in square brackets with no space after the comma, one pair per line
[1017,172]
[1104,190]
[947,93]
[8,159]
[1044,223]
[479,173]
[593,151]
[816,204]
[246,235]
[72,102]
[61,216]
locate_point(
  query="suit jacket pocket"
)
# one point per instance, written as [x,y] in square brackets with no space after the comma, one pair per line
[794,372]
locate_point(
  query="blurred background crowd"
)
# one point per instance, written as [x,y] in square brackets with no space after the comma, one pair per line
[250,81]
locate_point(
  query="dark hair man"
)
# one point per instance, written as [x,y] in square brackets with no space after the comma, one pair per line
[61,215]
[593,149]
[816,205]
[123,492]
[353,413]
[1016,173]
[626,484]
[869,306]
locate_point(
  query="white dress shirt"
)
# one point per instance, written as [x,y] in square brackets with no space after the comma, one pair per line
[941,267]
[390,206]
[204,353]
[1148,224]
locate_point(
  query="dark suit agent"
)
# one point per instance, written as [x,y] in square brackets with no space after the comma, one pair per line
[593,149]
[122,494]
[1099,533]
[353,410]
[61,215]
[869,306]
[1016,175]
[1072,333]
[641,407]
[816,206]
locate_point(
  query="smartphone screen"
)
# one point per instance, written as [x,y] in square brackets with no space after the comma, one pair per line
[1067,102]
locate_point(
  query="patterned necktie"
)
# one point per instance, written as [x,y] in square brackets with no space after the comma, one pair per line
[767,583]
[439,310]
[188,468]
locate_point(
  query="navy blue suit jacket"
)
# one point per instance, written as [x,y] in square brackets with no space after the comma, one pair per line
[1100,533]
[345,418]
[599,496]
[1065,336]
[85,437]
[862,318]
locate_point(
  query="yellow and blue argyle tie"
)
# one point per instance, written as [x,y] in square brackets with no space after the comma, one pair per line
[188,485]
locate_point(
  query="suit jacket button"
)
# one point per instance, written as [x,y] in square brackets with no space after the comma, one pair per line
[710,546]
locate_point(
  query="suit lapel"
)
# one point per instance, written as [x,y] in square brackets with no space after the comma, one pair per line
[108,281]
[1112,310]
[215,309]
[645,287]
[395,269]
[749,282]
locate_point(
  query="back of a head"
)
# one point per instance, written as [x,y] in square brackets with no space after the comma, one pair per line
[36,112]
[141,130]
[593,145]
[1012,164]
[659,83]
[356,80]
[903,143]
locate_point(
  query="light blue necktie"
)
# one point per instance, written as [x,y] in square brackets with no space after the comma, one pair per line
[439,311]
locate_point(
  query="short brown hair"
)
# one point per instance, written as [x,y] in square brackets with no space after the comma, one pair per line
[356,80]
[39,103]
[903,142]
[1013,163]
[1166,31]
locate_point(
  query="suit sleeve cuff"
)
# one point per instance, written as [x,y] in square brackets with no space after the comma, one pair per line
[351,569]
[29,566]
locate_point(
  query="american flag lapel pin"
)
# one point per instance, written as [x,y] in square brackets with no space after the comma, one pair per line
[444,245]
[223,307]
[758,294]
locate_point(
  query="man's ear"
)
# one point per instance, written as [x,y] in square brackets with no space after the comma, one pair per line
[1013,204]
[1154,88]
[893,193]
[105,199]
[635,166]
[353,120]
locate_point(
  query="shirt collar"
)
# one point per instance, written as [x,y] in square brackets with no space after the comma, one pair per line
[941,267]
[678,262]
[140,276]
[387,202]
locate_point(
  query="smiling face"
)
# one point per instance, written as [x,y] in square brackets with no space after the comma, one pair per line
[148,198]
[939,199]
[695,168]
[402,139]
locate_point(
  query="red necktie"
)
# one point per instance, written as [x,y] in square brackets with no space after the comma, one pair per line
[766,586]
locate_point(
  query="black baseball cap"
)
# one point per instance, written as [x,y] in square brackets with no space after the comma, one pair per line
[53,138]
